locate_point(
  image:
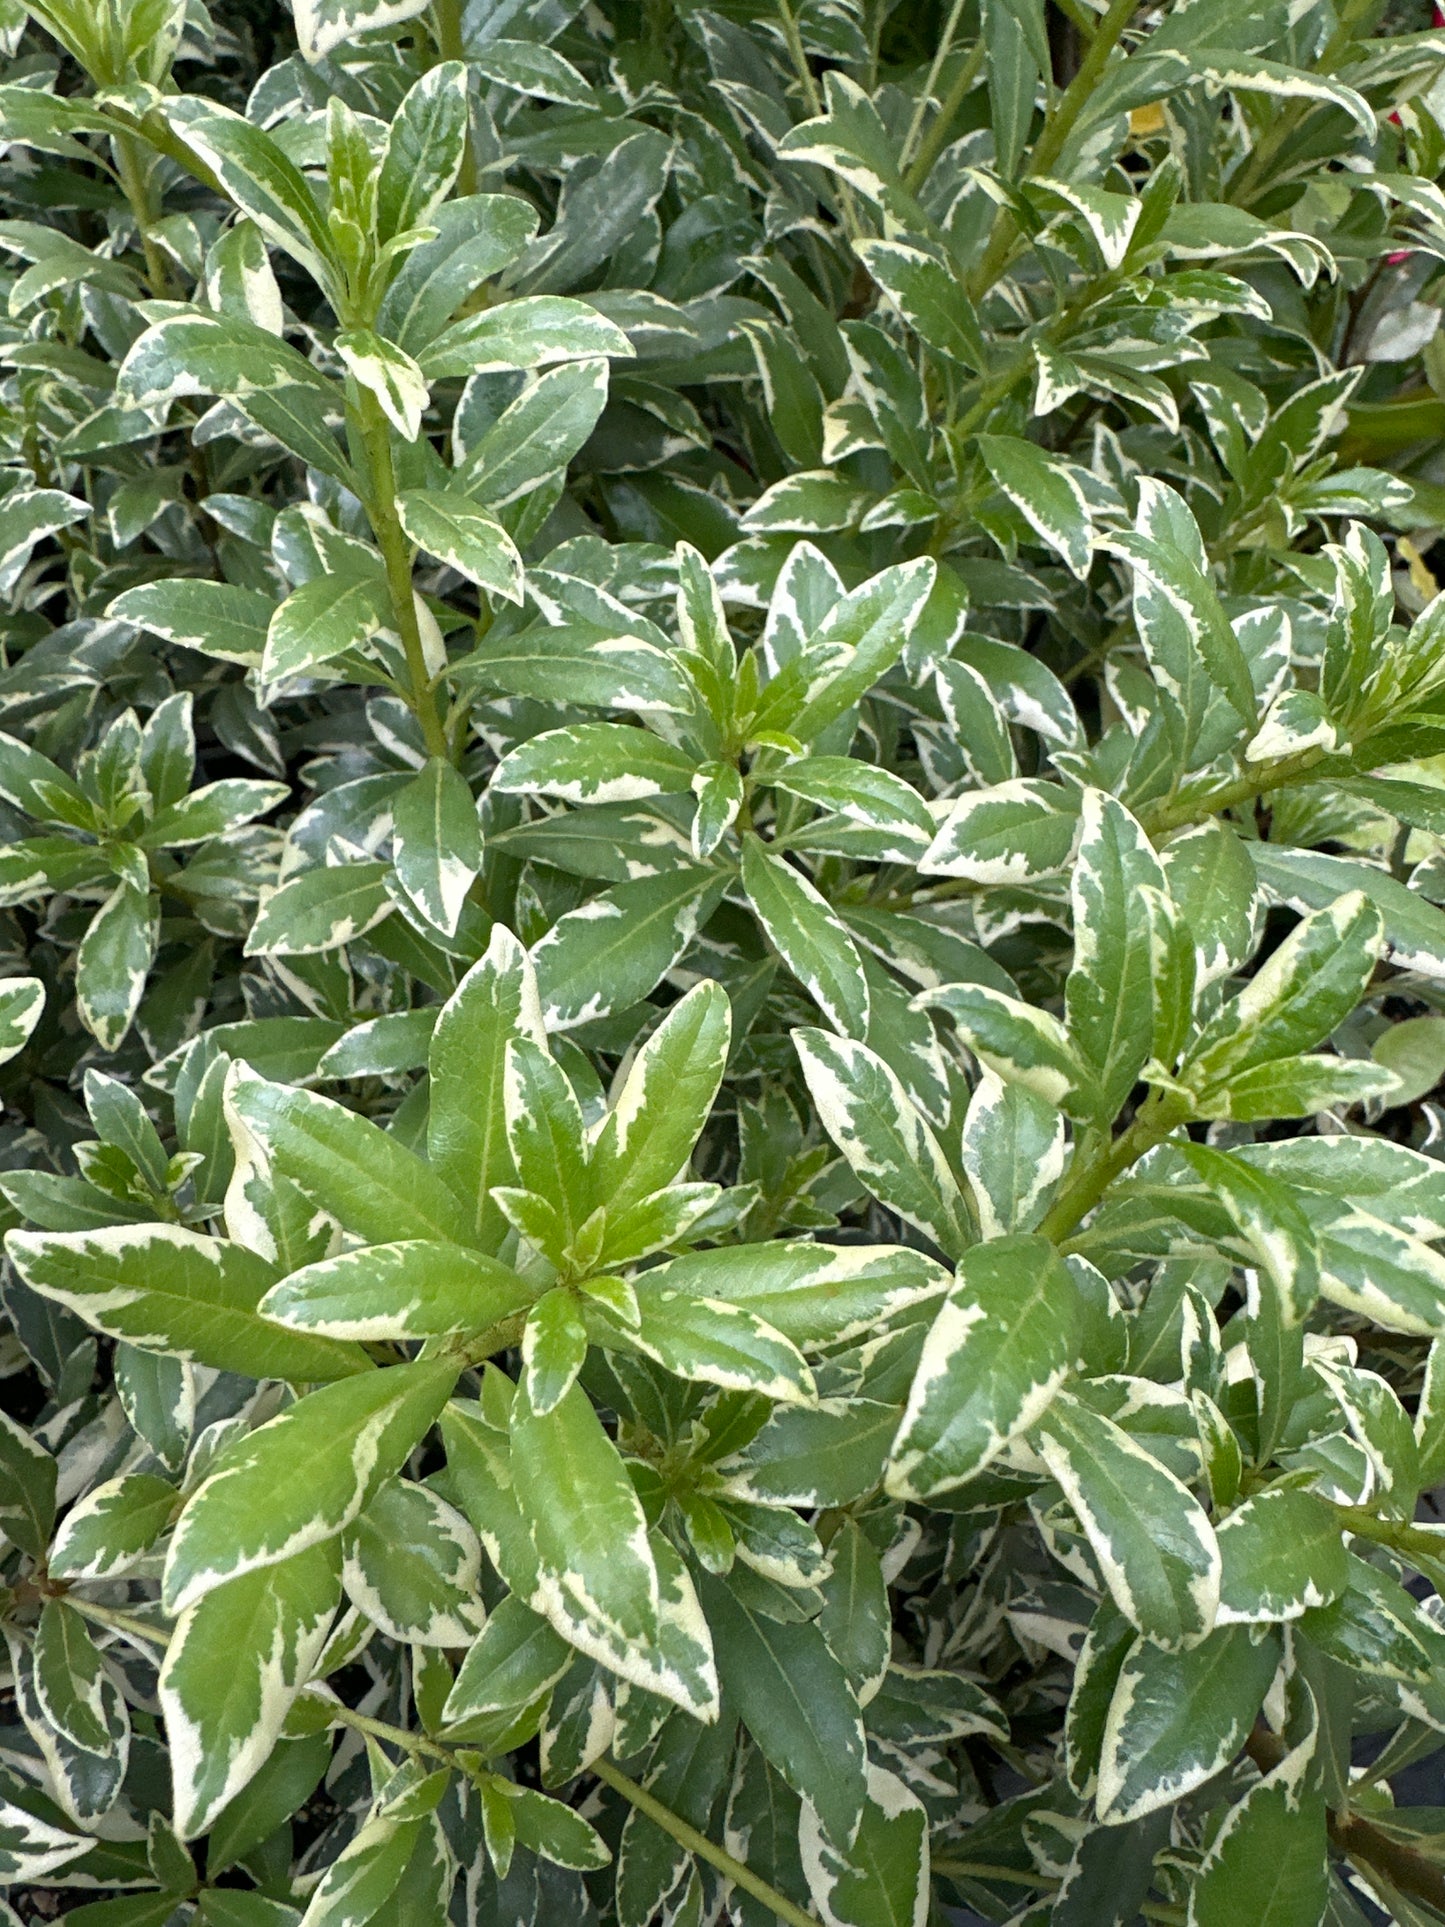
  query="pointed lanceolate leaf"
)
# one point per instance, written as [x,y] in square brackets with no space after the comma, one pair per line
[234,1664]
[795,1700]
[466,1127]
[466,536]
[437,842]
[870,1117]
[810,939]
[1109,994]
[166,1289]
[664,1103]
[1001,1346]
[300,1479]
[1177,1718]
[1154,1544]
[596,1567]
[418,1288]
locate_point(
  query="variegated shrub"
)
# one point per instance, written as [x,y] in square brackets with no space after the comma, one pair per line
[723,870]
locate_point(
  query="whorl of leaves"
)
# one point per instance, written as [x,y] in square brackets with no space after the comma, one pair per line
[722,845]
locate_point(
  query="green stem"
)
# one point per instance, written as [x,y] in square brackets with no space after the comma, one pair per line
[699,1844]
[447,32]
[1245,789]
[396,555]
[916,172]
[131,169]
[1157,1117]
[1397,1533]
[799,56]
[1056,132]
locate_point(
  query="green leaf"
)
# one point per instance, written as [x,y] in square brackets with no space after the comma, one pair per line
[614,950]
[424,150]
[1414,1050]
[597,1577]
[1045,493]
[1109,994]
[1007,834]
[22,999]
[928,297]
[113,962]
[110,1529]
[320,909]
[1012,1153]
[234,1664]
[323,618]
[1282,1555]
[595,763]
[27,1488]
[882,1878]
[815,1294]
[795,1700]
[410,1562]
[371,1184]
[468,538]
[301,1478]
[859,640]
[1269,1861]
[254,171]
[1002,1344]
[811,940]
[666,1099]
[1155,1547]
[1019,1044]
[1303,990]
[870,1117]
[1177,1718]
[717,1343]
[166,1289]
[417,1288]
[466,1126]
[71,1684]
[388,373]
[531,333]
[537,434]
[553,1830]
[437,842]
[513,1662]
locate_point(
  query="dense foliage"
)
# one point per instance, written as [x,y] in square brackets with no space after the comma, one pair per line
[722,825]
